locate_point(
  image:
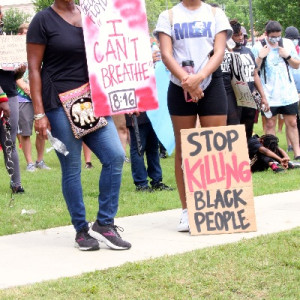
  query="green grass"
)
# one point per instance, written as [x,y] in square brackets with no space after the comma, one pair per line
[263,268]
[43,193]
[266,267]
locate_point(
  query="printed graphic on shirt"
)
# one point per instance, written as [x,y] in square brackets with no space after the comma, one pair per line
[192,30]
[225,65]
[248,67]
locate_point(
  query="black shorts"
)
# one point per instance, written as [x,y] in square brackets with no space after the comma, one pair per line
[213,103]
[291,109]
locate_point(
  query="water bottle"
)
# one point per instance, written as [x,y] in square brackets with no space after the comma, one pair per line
[57,144]
[28,212]
[188,66]
[230,44]
[268,114]
[156,49]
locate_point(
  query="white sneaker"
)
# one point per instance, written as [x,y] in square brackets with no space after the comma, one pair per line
[184,222]
[31,167]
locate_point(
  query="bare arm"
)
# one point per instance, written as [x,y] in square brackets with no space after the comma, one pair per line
[191,82]
[35,53]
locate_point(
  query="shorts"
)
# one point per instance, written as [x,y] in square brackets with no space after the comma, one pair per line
[291,109]
[213,103]
[25,118]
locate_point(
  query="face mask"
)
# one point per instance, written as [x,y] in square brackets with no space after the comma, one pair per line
[239,44]
[274,40]
[295,42]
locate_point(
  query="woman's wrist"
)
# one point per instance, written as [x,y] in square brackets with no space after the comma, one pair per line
[3,97]
[37,117]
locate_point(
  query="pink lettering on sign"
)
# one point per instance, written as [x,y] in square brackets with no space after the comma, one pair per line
[119,56]
[200,173]
[131,10]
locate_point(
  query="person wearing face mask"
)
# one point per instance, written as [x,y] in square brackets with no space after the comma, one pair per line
[238,114]
[275,56]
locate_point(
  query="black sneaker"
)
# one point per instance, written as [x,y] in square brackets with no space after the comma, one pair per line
[17,189]
[89,165]
[144,188]
[297,158]
[84,242]
[278,170]
[109,235]
[163,155]
[161,187]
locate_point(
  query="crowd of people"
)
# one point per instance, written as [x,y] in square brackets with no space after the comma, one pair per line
[57,64]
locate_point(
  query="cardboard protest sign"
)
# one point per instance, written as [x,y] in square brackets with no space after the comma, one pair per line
[12,51]
[119,57]
[218,181]
[239,83]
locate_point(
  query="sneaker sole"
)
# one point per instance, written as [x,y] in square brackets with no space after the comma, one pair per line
[104,240]
[86,248]
[183,229]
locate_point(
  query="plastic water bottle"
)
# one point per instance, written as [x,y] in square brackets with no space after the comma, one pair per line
[154,48]
[188,66]
[268,114]
[58,145]
[230,44]
[28,212]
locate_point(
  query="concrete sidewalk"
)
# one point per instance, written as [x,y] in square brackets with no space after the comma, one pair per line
[49,254]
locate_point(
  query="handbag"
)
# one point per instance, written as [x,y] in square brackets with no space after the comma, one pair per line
[78,107]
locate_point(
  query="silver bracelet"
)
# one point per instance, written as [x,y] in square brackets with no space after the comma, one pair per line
[38,116]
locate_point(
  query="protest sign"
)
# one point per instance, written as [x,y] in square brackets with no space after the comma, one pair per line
[119,56]
[218,181]
[12,51]
[239,83]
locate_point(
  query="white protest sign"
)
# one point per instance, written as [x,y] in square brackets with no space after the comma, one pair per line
[119,56]
[12,51]
[239,84]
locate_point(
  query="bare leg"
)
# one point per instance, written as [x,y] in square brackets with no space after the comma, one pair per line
[40,147]
[292,132]
[186,122]
[26,147]
[87,153]
[120,123]
[270,125]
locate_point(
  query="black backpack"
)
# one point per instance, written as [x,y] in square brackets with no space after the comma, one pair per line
[263,64]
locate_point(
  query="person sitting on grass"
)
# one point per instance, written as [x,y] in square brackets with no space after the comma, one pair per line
[264,152]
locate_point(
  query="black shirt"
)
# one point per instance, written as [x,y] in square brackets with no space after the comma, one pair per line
[8,83]
[249,65]
[64,64]
[253,146]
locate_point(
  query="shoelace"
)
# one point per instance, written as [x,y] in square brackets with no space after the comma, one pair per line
[116,228]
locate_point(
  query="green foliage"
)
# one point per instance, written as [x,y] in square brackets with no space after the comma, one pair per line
[154,8]
[42,4]
[13,18]
[286,12]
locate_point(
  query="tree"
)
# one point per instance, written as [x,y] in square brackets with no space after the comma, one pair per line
[42,4]
[286,12]
[13,18]
[154,8]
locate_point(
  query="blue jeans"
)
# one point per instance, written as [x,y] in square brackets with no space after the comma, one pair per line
[106,145]
[150,147]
